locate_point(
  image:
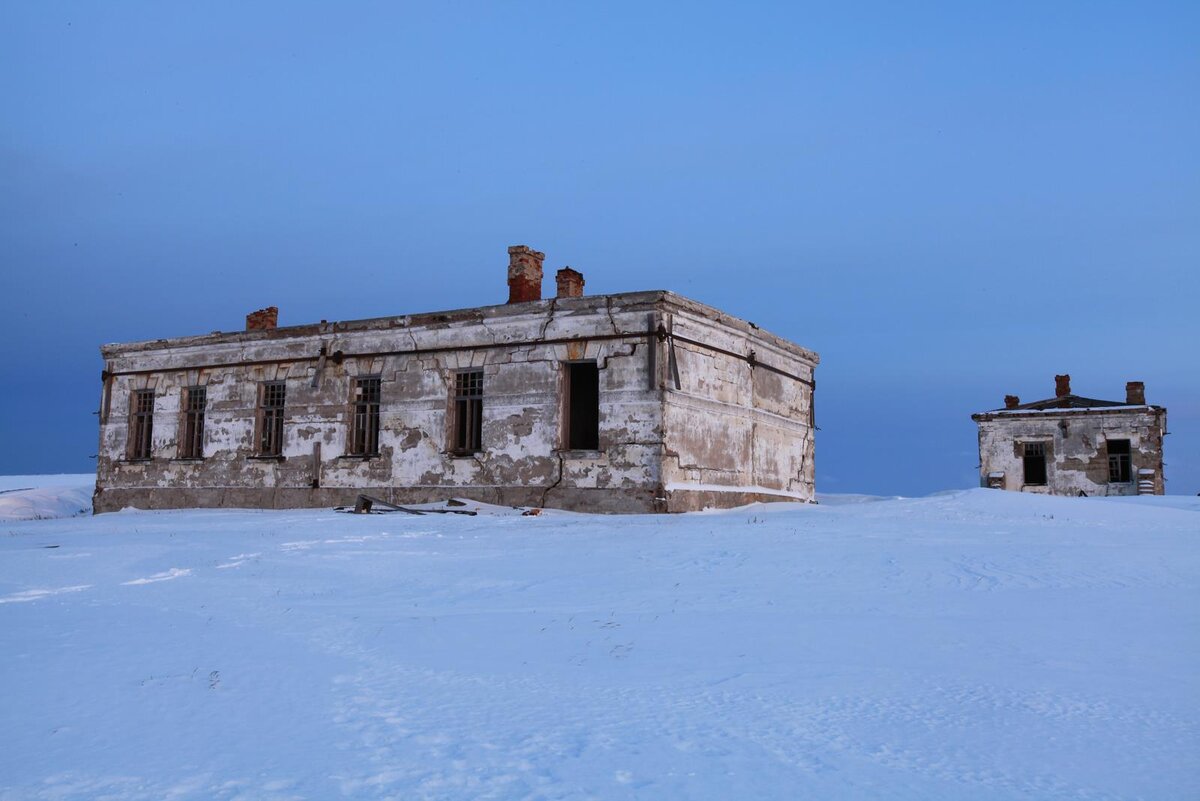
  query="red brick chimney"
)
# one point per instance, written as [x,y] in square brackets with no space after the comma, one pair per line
[1062,386]
[570,283]
[1011,401]
[262,319]
[524,274]
[1135,393]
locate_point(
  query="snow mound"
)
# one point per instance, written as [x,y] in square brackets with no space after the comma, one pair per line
[45,497]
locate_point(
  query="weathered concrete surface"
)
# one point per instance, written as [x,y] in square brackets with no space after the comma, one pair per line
[734,426]
[734,430]
[1076,451]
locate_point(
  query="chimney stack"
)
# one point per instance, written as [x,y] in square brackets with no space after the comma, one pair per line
[1062,386]
[524,274]
[1011,401]
[1135,393]
[570,283]
[262,319]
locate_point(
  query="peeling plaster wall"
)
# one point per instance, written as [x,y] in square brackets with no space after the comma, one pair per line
[736,431]
[520,348]
[1076,454]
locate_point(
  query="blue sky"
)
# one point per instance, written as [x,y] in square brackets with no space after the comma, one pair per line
[950,202]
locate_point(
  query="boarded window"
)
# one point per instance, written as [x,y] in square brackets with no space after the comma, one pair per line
[271,396]
[582,406]
[1120,469]
[1035,463]
[364,433]
[141,423]
[467,436]
[191,426]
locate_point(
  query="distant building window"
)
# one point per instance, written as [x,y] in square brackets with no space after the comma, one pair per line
[582,406]
[141,423]
[467,436]
[191,440]
[271,396]
[1035,463]
[364,431]
[1120,469]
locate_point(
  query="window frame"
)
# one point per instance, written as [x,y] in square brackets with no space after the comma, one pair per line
[466,412]
[191,422]
[364,417]
[141,426]
[269,428]
[1119,463]
[1026,455]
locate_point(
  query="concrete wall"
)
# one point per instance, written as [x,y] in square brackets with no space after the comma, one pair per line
[735,430]
[521,349]
[1076,454]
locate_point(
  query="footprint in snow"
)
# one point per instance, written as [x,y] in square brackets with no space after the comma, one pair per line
[173,573]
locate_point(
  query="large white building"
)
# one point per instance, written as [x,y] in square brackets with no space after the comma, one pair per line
[634,402]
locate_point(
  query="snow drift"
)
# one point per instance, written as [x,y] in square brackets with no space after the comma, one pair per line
[45,497]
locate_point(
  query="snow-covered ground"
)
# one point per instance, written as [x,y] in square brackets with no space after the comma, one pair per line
[971,645]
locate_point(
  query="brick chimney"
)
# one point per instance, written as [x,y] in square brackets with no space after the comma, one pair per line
[1011,401]
[570,283]
[262,319]
[1135,393]
[1062,386]
[524,274]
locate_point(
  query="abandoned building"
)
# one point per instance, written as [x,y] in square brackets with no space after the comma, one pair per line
[1069,445]
[633,402]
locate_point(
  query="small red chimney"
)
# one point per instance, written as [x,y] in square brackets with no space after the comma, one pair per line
[1011,401]
[262,319]
[1062,386]
[570,283]
[524,274]
[1135,393]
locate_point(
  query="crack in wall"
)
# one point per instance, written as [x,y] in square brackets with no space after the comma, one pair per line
[611,320]
[551,309]
[557,481]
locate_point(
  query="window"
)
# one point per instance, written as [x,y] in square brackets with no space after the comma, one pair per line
[468,412]
[1120,469]
[141,423]
[1035,463]
[191,427]
[582,406]
[364,431]
[270,418]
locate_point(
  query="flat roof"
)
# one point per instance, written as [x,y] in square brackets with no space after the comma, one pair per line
[465,315]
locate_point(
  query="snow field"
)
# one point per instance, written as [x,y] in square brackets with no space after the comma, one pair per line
[975,644]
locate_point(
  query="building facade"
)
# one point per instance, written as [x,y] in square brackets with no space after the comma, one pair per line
[634,402]
[1070,445]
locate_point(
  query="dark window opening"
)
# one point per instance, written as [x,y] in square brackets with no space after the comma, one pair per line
[1120,468]
[191,441]
[364,432]
[1035,463]
[583,406]
[141,424]
[270,418]
[468,412]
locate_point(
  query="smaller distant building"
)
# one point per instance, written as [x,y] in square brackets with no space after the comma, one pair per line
[1071,445]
